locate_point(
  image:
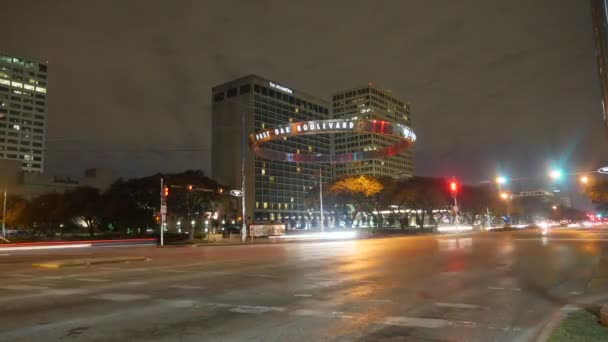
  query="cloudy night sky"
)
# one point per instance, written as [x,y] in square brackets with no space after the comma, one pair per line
[493,85]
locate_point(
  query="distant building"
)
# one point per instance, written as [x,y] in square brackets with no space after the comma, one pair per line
[371,103]
[275,191]
[23,111]
[599,14]
[29,184]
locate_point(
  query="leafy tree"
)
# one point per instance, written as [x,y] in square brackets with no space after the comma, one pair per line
[85,203]
[365,193]
[47,214]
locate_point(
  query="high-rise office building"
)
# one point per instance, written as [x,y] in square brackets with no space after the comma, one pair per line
[23,99]
[275,191]
[368,102]
[599,15]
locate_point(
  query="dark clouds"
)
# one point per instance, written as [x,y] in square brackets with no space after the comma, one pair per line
[493,84]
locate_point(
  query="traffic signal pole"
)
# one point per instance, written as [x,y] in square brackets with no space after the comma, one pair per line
[163,212]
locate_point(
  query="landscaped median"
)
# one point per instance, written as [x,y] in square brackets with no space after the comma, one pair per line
[87,262]
[579,326]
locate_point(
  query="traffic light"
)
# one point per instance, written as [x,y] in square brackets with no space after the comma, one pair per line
[453,187]
[190,187]
[166,192]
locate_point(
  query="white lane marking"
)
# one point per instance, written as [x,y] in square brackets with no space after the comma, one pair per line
[66,292]
[135,283]
[187,287]
[261,275]
[302,295]
[121,297]
[498,288]
[414,322]
[575,293]
[178,303]
[92,280]
[23,287]
[381,300]
[20,275]
[108,268]
[570,308]
[52,277]
[4,254]
[256,309]
[457,305]
[173,271]
[29,248]
[320,313]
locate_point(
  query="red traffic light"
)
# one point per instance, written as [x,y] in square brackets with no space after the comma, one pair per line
[453,186]
[166,192]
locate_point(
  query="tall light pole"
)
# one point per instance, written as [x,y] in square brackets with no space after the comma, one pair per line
[321,196]
[4,214]
[244,227]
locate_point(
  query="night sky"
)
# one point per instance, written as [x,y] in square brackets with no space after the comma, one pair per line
[494,85]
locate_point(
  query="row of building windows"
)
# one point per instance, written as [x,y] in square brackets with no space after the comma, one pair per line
[271,93]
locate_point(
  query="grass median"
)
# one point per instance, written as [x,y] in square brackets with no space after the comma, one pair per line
[579,326]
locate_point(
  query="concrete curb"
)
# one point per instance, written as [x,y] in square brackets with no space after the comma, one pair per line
[87,262]
[562,313]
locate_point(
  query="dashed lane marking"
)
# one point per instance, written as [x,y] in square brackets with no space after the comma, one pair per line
[255,309]
[302,295]
[20,275]
[66,292]
[5,254]
[457,305]
[23,287]
[136,283]
[92,280]
[121,297]
[186,287]
[415,322]
[498,288]
[261,275]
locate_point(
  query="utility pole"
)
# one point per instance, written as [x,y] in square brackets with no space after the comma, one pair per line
[321,196]
[4,215]
[163,212]
[244,227]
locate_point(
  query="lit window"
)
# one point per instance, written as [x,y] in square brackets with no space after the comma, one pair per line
[2,81]
[41,90]
[263,172]
[309,148]
[29,87]
[16,127]
[265,205]
[17,84]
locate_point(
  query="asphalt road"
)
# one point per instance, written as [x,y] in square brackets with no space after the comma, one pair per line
[473,287]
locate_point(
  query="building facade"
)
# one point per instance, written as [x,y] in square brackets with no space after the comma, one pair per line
[369,102]
[599,15]
[275,191]
[23,111]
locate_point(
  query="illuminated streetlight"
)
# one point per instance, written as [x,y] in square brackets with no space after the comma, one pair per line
[584,179]
[501,180]
[554,207]
[504,195]
[555,174]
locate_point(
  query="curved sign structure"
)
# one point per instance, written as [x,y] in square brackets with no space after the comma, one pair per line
[405,135]
[603,170]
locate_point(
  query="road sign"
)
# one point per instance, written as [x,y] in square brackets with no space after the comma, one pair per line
[236,193]
[603,170]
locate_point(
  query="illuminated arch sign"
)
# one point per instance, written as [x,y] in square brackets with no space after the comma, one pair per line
[603,170]
[405,135]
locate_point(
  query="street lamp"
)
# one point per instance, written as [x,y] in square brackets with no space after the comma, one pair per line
[555,174]
[504,195]
[554,207]
[501,180]
[584,179]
